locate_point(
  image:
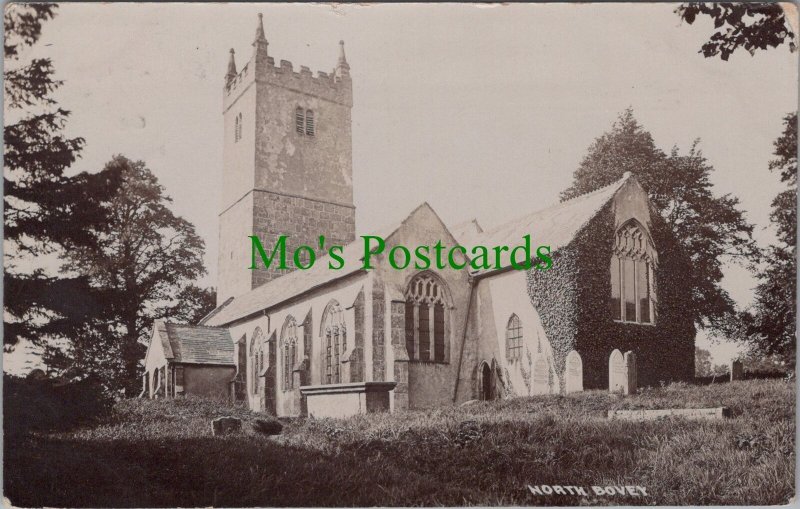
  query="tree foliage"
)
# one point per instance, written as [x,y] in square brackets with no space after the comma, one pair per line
[144,267]
[769,327]
[45,209]
[710,229]
[749,25]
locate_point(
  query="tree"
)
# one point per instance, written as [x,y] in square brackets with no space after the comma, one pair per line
[709,228]
[702,362]
[144,266]
[769,326]
[752,26]
[45,210]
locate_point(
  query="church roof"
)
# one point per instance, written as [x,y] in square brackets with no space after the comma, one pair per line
[195,344]
[554,226]
[296,282]
[466,232]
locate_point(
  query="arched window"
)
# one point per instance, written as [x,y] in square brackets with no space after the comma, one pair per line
[633,294]
[299,120]
[309,123]
[514,338]
[334,341]
[426,319]
[256,359]
[289,351]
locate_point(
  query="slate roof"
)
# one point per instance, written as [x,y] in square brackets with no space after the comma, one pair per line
[553,226]
[196,344]
[466,232]
[296,282]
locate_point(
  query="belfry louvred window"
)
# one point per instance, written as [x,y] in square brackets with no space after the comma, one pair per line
[334,341]
[299,120]
[310,128]
[426,323]
[633,294]
[304,122]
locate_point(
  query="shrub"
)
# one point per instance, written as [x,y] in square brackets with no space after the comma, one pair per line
[43,404]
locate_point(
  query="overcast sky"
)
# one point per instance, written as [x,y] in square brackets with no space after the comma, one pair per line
[482,111]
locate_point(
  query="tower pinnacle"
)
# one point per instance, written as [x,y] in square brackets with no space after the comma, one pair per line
[342,67]
[260,41]
[231,68]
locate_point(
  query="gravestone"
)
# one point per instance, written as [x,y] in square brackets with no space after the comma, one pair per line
[267,427]
[541,377]
[226,425]
[631,376]
[737,370]
[617,377]
[574,376]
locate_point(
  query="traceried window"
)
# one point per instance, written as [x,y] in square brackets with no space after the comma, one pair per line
[334,342]
[256,359]
[310,129]
[289,352]
[426,312]
[633,295]
[514,338]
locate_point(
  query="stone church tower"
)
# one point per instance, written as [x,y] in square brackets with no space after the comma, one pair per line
[287,163]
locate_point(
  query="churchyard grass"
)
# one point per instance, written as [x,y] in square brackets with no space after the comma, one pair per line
[162,453]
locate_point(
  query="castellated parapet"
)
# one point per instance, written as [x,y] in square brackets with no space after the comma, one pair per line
[323,85]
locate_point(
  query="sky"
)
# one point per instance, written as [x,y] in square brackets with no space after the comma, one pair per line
[482,111]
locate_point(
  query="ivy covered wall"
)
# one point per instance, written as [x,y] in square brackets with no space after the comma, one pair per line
[554,294]
[664,351]
[573,300]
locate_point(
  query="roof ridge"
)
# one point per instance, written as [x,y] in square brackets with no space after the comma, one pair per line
[560,204]
[195,326]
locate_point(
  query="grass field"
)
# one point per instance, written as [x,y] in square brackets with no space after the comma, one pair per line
[156,453]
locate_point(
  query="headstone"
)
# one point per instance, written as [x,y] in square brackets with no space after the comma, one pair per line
[631,375]
[540,376]
[267,427]
[737,370]
[226,425]
[616,372]
[574,378]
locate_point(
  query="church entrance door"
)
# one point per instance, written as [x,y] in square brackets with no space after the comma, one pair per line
[486,387]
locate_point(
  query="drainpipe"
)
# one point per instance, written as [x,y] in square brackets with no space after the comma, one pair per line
[464,336]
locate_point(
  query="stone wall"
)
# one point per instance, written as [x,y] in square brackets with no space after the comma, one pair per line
[277,181]
[303,221]
[208,381]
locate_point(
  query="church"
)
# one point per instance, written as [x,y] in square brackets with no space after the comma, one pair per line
[334,343]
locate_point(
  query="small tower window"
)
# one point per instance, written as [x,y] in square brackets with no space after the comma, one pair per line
[237,132]
[299,120]
[309,123]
